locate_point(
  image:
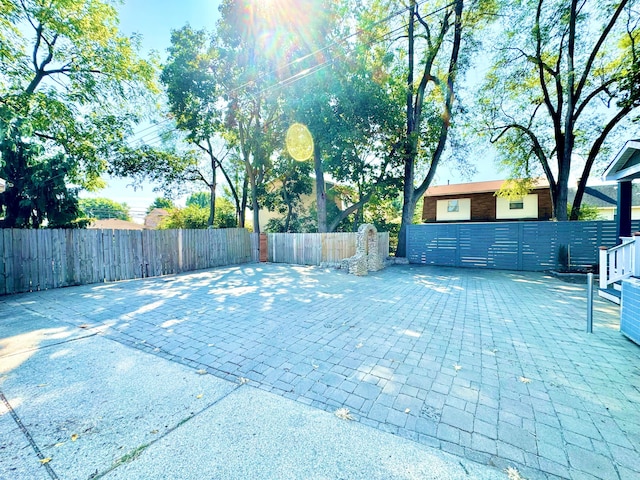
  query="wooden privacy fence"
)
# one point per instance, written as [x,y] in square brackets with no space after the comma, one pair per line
[43,259]
[317,248]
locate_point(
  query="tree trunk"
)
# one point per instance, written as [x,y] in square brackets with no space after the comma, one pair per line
[321,196]
[243,203]
[408,150]
[562,186]
[212,189]
[212,205]
[408,204]
[254,202]
[348,211]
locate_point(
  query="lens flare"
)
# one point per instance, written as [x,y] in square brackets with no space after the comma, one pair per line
[299,142]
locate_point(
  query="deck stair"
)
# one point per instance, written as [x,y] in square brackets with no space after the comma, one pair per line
[613,293]
[617,264]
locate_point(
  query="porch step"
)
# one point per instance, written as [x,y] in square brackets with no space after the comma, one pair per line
[611,294]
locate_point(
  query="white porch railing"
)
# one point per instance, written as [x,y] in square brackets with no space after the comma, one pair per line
[620,262]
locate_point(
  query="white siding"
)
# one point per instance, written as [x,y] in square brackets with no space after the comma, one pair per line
[463,213]
[529,210]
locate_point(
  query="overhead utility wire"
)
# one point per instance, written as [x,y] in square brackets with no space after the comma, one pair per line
[295,77]
[309,71]
[304,73]
[344,40]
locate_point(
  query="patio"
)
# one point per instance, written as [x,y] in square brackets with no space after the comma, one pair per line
[493,366]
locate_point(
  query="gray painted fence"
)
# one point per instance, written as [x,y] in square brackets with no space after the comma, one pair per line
[43,259]
[527,246]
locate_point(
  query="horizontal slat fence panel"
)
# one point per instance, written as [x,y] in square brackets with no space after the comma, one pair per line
[48,258]
[317,248]
[528,246]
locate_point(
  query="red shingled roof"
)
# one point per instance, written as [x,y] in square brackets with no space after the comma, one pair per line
[474,187]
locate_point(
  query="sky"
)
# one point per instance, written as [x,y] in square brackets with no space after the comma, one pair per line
[154,20]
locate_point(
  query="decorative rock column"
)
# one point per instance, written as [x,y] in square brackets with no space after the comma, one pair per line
[367,258]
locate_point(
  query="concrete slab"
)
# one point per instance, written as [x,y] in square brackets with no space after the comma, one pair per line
[17,457]
[23,331]
[256,434]
[88,403]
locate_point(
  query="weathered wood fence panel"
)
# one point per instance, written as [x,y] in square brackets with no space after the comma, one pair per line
[44,259]
[317,248]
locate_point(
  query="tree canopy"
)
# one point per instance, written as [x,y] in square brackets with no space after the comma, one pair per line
[104,208]
[161,202]
[565,76]
[70,86]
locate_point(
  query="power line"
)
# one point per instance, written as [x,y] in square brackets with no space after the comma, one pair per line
[313,69]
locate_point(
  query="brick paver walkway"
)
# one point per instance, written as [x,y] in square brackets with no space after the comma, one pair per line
[494,366]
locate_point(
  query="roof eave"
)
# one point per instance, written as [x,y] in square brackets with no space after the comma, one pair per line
[613,172]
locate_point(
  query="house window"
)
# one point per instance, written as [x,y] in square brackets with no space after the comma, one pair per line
[517,204]
[453,206]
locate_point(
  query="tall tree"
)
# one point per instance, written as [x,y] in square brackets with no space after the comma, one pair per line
[35,189]
[191,78]
[70,85]
[351,111]
[263,46]
[566,75]
[434,40]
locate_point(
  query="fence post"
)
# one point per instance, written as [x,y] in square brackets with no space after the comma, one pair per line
[180,260]
[603,267]
[635,259]
[589,302]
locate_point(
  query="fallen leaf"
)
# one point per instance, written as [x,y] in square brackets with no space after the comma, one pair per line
[45,460]
[59,444]
[199,395]
[154,431]
[513,474]
[360,345]
[74,437]
[314,366]
[84,325]
[343,413]
[202,371]
[457,367]
[407,410]
[524,380]
[42,385]
[242,380]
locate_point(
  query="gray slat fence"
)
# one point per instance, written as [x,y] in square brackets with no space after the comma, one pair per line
[316,248]
[527,246]
[44,259]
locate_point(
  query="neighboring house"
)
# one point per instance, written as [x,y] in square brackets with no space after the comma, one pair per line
[477,202]
[154,217]
[3,185]
[115,224]
[307,202]
[605,199]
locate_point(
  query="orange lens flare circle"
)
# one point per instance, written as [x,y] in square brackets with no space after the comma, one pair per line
[299,142]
